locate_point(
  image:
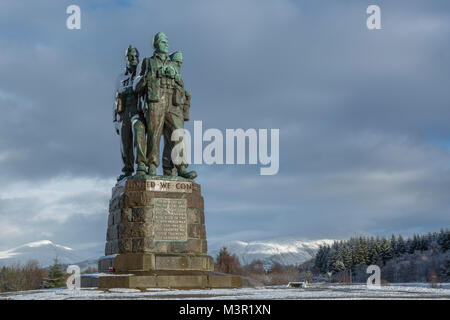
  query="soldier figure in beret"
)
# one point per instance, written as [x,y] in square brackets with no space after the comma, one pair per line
[181,98]
[157,83]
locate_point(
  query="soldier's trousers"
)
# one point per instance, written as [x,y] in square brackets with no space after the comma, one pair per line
[126,145]
[167,162]
[132,135]
[163,115]
[140,143]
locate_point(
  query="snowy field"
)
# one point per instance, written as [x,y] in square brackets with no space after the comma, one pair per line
[315,291]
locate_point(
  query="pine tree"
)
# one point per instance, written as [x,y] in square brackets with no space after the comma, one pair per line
[428,240]
[362,252]
[444,239]
[334,257]
[319,261]
[401,245]
[414,244]
[322,261]
[410,246]
[354,244]
[374,251]
[394,246]
[385,250]
[56,276]
[423,243]
[339,266]
[327,260]
[227,263]
[346,257]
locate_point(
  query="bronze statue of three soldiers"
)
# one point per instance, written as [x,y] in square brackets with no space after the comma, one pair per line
[151,102]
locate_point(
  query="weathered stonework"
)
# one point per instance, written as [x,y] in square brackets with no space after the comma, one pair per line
[156,234]
[158,220]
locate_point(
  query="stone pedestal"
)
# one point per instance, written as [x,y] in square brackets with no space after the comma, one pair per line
[156,238]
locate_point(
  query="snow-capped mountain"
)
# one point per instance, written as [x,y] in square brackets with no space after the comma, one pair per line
[286,251]
[44,252]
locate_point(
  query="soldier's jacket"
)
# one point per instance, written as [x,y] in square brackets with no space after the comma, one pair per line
[125,101]
[156,74]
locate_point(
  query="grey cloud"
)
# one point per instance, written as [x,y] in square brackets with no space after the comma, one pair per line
[359,111]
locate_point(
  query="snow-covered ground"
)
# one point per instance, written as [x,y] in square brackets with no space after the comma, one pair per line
[315,291]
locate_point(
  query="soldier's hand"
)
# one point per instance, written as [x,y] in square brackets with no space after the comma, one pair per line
[170,72]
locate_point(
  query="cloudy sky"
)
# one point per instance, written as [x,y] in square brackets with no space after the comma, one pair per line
[364,115]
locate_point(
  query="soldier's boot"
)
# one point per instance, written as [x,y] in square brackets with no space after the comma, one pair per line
[182,172]
[152,170]
[169,171]
[141,170]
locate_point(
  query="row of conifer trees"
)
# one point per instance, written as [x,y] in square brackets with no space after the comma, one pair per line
[345,255]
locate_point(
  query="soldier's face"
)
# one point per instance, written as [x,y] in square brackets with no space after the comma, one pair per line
[162,46]
[133,59]
[178,64]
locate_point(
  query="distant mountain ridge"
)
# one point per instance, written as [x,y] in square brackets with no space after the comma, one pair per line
[286,251]
[44,252]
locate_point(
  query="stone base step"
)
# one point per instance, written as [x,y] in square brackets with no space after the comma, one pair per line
[168,280]
[138,262]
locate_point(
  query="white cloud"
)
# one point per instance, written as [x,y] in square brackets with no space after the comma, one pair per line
[61,197]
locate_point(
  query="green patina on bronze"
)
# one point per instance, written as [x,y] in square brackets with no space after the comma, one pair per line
[181,99]
[130,121]
[152,102]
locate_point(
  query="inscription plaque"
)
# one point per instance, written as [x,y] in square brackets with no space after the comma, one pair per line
[159,185]
[170,219]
